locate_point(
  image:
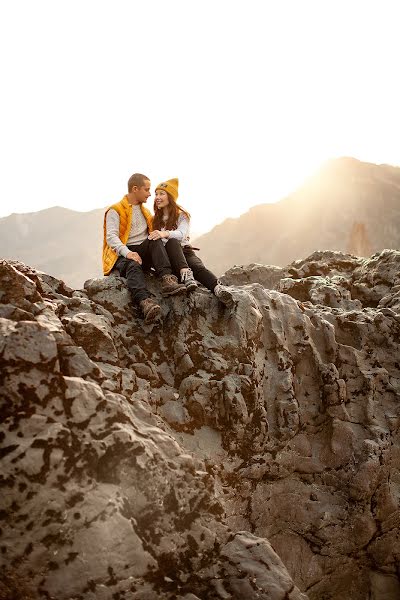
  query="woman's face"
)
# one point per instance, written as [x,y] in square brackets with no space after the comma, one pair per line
[161,199]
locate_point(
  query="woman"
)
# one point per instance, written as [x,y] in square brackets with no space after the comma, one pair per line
[171,223]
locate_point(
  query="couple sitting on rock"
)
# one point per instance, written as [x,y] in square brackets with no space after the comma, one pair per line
[135,241]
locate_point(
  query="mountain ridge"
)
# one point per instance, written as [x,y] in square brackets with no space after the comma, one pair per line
[320,215]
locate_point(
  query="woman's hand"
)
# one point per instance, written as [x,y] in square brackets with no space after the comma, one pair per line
[158,235]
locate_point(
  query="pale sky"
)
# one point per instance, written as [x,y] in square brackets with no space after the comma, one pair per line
[241,100]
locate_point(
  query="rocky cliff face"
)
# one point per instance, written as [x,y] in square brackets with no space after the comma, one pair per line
[251,453]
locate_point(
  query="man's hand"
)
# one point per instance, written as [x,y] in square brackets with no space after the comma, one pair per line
[134,256]
[158,235]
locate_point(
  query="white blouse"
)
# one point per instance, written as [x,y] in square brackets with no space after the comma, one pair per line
[182,231]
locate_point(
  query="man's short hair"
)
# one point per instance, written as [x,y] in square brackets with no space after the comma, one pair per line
[136,179]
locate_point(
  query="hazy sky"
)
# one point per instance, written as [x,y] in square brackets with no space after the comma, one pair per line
[239,99]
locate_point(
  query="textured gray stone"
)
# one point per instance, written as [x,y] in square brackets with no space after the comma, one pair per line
[136,460]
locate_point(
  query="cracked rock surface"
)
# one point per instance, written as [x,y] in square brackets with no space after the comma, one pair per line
[244,453]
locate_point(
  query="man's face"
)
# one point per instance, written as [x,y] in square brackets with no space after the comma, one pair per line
[142,193]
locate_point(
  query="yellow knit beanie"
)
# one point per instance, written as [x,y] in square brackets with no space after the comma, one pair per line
[170,186]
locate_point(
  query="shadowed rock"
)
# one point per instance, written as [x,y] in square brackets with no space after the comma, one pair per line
[250,453]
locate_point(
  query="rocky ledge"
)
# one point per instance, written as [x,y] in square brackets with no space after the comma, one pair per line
[244,453]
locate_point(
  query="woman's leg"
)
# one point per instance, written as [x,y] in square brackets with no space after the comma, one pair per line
[203,275]
[176,256]
[179,264]
[153,254]
[207,278]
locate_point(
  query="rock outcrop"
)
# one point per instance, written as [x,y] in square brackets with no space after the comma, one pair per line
[251,453]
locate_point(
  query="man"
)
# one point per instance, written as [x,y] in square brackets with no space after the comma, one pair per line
[127,249]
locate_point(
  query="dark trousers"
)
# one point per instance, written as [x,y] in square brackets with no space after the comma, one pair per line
[182,257]
[153,254]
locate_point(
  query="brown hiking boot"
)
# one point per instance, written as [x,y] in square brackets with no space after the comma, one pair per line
[170,286]
[151,310]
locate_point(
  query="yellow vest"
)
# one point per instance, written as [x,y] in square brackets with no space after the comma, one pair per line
[124,209]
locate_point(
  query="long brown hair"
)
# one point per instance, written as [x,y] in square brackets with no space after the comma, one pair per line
[174,211]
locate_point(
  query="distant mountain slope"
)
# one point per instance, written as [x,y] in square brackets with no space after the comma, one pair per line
[348,205]
[65,243]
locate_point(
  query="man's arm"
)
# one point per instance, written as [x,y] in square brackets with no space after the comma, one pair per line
[113,239]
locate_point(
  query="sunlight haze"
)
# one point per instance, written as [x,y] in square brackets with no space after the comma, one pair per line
[240,100]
